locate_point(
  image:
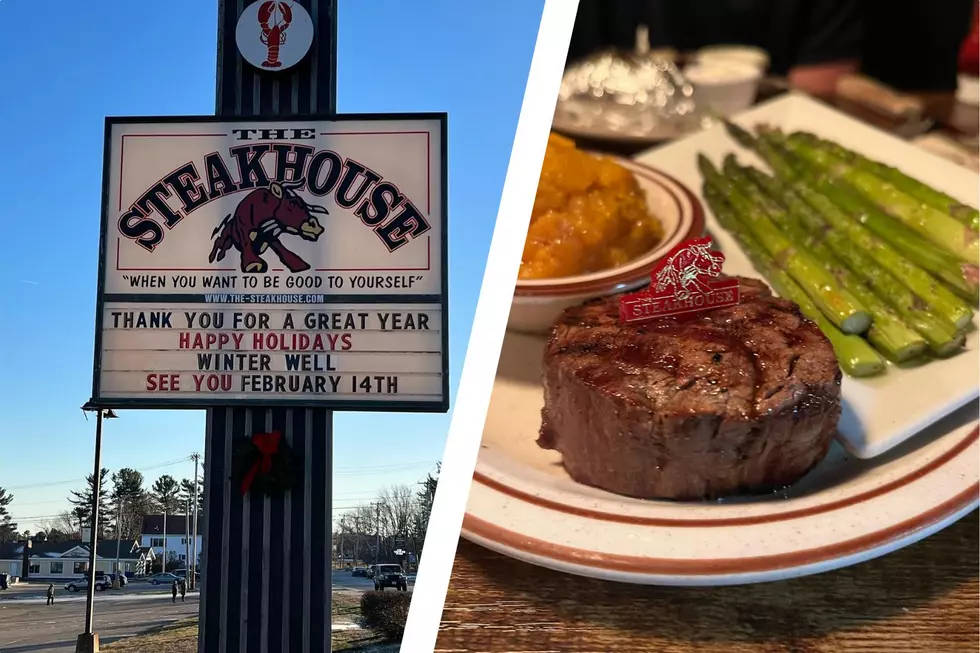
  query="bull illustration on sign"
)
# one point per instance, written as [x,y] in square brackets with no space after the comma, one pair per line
[258,222]
[685,271]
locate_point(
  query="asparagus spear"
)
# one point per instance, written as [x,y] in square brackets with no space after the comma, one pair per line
[933,225]
[924,193]
[942,337]
[854,354]
[895,247]
[839,305]
[888,333]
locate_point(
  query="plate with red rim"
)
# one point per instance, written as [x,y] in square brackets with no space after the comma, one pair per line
[907,462]
[523,504]
[537,302]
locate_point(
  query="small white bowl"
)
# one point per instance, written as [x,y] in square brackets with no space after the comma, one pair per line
[724,86]
[968,89]
[538,303]
[741,53]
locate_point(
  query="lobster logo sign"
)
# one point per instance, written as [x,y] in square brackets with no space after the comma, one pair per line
[259,222]
[274,19]
[683,282]
[262,31]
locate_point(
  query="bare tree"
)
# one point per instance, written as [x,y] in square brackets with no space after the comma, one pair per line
[400,512]
[65,522]
[60,528]
[397,507]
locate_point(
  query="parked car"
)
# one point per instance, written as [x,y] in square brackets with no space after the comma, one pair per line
[390,576]
[79,584]
[359,571]
[182,574]
[166,578]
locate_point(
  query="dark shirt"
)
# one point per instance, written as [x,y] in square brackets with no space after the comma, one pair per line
[793,32]
[913,45]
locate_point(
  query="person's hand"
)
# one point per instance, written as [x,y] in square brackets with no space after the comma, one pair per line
[820,79]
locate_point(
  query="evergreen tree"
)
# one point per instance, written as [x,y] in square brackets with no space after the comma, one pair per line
[83,502]
[425,497]
[130,503]
[187,496]
[8,529]
[166,495]
[80,517]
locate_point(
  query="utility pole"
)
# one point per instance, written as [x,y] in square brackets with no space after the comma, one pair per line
[187,539]
[163,569]
[193,565]
[358,527]
[115,581]
[377,530]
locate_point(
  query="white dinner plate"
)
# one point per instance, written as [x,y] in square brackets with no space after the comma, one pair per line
[523,504]
[885,490]
[881,412]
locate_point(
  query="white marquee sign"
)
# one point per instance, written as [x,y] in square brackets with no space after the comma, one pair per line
[270,262]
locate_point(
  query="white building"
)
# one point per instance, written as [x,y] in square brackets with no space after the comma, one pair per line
[69,560]
[175,541]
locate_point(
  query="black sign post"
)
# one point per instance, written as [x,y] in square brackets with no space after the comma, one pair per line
[265,581]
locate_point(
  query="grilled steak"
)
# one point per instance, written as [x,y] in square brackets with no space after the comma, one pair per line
[741,399]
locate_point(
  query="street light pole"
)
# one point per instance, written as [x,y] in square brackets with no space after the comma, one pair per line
[88,642]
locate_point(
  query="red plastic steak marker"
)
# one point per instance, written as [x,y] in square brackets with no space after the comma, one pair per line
[684,282]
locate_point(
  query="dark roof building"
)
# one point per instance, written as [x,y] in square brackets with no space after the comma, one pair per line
[176,524]
[70,549]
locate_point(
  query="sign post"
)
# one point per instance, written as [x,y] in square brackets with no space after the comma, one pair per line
[271,264]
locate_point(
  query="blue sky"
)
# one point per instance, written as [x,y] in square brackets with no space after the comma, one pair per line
[84,61]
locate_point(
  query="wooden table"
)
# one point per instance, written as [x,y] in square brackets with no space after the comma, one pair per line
[922,598]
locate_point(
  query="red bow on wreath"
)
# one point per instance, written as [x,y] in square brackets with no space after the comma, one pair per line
[268,446]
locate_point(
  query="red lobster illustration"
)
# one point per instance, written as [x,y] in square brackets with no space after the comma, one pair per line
[274,18]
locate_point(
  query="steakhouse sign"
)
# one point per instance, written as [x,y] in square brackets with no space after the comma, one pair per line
[295,261]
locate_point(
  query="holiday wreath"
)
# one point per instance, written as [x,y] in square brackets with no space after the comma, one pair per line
[263,464]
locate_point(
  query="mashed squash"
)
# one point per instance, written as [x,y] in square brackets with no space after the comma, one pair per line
[589,215]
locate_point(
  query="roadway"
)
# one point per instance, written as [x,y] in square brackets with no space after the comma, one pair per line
[30,626]
[36,592]
[27,625]
[342,580]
